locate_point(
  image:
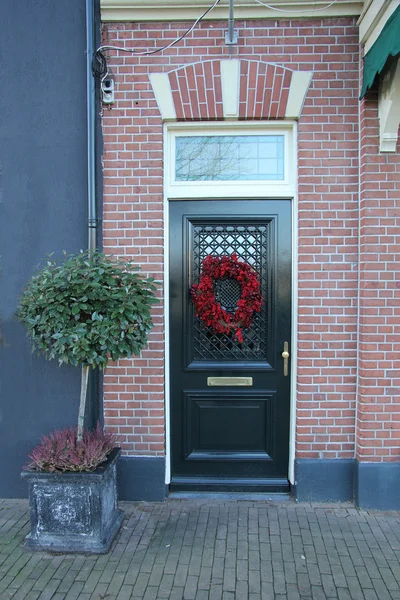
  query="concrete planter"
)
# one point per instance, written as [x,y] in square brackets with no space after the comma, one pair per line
[74,512]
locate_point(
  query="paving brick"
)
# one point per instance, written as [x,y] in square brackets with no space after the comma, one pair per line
[338,576]
[150,593]
[49,592]
[268,594]
[216,591]
[314,574]
[242,568]
[344,594]
[389,580]
[381,589]
[91,582]
[207,557]
[230,559]
[218,569]
[266,573]
[395,568]
[242,590]
[355,588]
[292,592]
[191,587]
[304,584]
[181,575]
[228,596]
[279,583]
[290,572]
[195,564]
[74,592]
[370,595]
[318,593]
[254,582]
[328,585]
[347,566]
[229,582]
[99,591]
[176,593]
[372,568]
[171,564]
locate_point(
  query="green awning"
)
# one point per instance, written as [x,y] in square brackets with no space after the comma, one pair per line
[387,44]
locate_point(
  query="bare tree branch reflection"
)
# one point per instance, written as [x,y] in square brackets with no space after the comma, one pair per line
[229,158]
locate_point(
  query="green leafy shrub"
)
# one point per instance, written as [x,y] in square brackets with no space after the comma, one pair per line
[88,309]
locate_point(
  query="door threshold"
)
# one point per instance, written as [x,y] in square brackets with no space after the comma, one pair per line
[249,496]
[229,486]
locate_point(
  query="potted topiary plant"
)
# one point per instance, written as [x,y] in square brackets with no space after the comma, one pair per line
[84,311]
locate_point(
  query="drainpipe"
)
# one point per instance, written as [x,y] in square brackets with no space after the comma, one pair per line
[91,131]
[93,408]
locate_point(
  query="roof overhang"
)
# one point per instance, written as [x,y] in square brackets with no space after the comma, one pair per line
[183,10]
[373,18]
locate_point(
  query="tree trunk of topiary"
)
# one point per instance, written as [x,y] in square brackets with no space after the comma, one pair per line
[82,403]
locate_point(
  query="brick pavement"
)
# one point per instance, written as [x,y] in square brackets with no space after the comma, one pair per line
[215,549]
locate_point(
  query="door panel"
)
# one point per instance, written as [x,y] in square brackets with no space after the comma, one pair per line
[232,436]
[207,436]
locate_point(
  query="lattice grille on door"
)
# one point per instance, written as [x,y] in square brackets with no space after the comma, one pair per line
[250,243]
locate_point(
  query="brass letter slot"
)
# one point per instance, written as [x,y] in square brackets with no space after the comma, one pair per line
[229,381]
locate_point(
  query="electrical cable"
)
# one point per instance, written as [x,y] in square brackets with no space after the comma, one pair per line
[99,65]
[150,52]
[99,61]
[282,10]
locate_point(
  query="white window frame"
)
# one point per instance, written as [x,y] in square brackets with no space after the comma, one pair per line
[278,188]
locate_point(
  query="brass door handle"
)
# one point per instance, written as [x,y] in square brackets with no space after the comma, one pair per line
[285,356]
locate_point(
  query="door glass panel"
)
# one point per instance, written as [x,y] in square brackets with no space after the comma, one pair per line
[229,158]
[250,243]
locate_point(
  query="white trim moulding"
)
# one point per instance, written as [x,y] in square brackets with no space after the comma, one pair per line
[181,10]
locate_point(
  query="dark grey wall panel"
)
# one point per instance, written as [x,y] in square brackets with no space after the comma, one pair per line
[377,485]
[141,478]
[322,480]
[43,206]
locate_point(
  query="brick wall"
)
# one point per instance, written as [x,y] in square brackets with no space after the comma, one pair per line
[132,226]
[328,215]
[378,415]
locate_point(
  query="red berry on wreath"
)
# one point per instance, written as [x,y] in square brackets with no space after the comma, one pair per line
[210,311]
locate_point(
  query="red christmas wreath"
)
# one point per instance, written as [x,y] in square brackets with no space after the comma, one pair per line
[210,311]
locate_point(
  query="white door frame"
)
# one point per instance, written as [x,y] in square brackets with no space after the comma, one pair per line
[286,189]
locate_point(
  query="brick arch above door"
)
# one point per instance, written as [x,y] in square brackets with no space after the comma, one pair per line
[230,89]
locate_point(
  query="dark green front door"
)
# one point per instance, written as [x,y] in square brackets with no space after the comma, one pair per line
[230,437]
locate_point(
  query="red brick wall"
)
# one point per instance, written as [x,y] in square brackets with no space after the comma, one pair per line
[132,226]
[328,215]
[328,230]
[378,415]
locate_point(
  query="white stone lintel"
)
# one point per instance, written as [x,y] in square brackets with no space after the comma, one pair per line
[230,75]
[297,93]
[163,94]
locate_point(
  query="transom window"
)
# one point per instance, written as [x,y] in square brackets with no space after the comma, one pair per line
[243,159]
[229,158]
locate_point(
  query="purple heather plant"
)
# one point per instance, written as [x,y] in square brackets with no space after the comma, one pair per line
[60,451]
